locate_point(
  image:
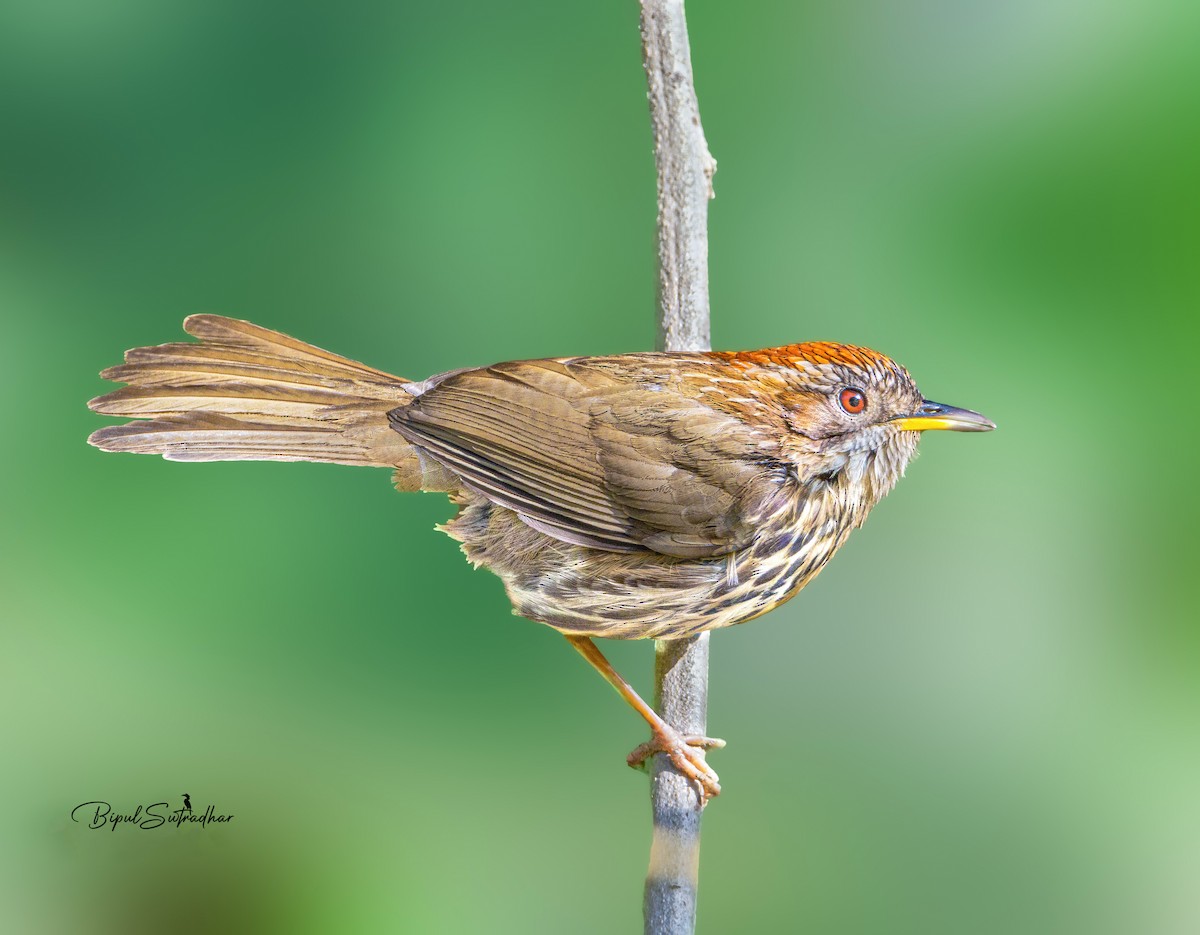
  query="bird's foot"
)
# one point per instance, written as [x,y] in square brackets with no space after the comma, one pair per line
[686,752]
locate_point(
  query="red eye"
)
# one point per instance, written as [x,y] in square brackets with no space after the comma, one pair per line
[853,400]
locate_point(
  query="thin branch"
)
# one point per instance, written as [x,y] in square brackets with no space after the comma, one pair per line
[685,170]
[681,699]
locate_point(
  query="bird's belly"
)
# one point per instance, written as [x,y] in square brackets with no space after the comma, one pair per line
[640,595]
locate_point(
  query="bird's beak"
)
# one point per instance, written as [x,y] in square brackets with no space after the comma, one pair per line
[933,415]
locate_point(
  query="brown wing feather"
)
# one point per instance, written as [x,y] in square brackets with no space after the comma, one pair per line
[518,434]
[695,481]
[594,461]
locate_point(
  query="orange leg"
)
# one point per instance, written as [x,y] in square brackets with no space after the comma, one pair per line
[686,752]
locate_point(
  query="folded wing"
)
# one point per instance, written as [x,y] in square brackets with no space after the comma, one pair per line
[599,458]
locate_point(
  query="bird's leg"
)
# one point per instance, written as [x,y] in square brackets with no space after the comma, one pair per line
[686,752]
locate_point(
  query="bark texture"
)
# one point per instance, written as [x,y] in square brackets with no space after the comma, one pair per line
[685,170]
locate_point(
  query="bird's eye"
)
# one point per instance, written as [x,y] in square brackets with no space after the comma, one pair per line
[853,400]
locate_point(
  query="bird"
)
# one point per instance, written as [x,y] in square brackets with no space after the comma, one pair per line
[633,496]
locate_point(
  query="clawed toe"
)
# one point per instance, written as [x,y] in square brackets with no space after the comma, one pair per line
[686,752]
[642,752]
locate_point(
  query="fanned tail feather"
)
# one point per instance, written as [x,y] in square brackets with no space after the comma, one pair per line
[245,393]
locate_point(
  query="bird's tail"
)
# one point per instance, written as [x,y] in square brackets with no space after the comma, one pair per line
[244,393]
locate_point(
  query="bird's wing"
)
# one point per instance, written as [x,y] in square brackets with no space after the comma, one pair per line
[592,460]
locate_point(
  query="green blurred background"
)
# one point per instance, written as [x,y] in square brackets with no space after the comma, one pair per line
[982,718]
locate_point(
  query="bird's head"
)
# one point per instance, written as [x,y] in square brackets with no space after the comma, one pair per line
[857,416]
[859,395]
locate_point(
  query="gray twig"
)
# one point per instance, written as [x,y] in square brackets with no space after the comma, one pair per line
[681,698]
[685,171]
